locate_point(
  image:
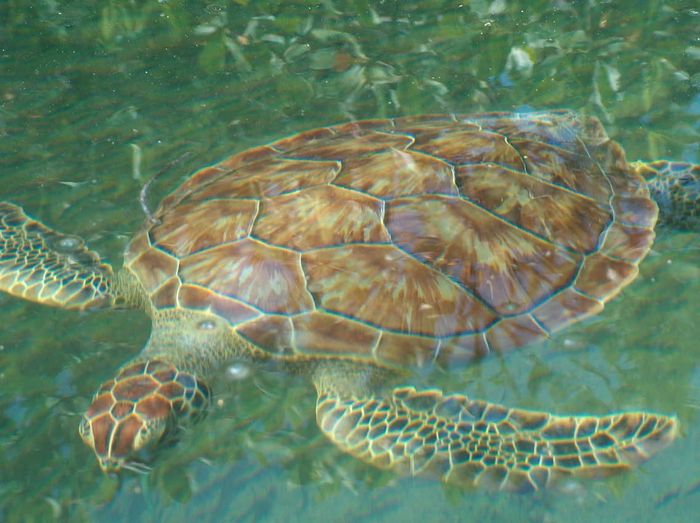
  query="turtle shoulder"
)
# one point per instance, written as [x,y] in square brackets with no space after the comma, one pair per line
[397,242]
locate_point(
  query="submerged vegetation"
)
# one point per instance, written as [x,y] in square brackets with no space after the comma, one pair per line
[95,95]
[620,60]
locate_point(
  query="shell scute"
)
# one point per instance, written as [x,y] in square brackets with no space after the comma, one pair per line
[414,299]
[565,308]
[320,217]
[256,155]
[513,332]
[197,297]
[166,295]
[424,124]
[402,349]
[153,268]
[270,333]
[404,173]
[305,139]
[636,211]
[354,128]
[563,217]
[261,275]
[571,169]
[560,128]
[227,220]
[484,147]
[276,176]
[459,351]
[401,242]
[136,246]
[202,177]
[600,276]
[322,333]
[507,268]
[339,147]
[627,243]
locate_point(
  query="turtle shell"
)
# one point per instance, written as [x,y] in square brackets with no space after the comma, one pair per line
[428,238]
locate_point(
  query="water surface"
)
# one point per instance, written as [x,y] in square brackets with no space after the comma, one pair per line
[96,96]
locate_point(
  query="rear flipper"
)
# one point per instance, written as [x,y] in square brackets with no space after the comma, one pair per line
[676,188]
[45,266]
[475,443]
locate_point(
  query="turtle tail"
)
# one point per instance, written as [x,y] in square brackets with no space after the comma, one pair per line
[45,266]
[676,188]
[475,443]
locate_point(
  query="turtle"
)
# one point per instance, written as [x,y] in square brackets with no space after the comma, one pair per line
[355,254]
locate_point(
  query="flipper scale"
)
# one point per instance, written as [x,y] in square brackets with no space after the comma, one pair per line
[48,267]
[428,433]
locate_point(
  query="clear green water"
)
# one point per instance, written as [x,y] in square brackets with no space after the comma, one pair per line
[85,85]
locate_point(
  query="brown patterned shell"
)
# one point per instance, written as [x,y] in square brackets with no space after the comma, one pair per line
[407,240]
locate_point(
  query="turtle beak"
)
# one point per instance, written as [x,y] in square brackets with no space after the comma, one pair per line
[116,442]
[109,464]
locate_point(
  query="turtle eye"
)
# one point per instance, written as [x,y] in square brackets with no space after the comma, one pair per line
[206,325]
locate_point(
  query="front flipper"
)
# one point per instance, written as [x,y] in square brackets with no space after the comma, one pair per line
[471,442]
[45,266]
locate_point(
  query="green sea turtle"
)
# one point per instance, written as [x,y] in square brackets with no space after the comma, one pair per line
[356,252]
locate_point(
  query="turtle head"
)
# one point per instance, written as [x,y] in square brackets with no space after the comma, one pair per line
[146,402]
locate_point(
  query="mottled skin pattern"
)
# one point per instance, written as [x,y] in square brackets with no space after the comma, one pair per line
[353,253]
